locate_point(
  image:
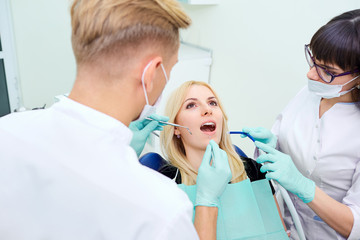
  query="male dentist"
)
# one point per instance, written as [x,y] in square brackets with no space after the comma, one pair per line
[68,172]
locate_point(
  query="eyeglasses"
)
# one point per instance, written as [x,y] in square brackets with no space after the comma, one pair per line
[324,74]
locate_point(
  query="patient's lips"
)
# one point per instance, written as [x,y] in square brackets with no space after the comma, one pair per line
[208,127]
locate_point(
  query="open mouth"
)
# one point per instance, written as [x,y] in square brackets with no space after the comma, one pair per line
[208,127]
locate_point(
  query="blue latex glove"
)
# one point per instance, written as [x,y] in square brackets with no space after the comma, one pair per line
[212,179]
[281,168]
[262,135]
[142,129]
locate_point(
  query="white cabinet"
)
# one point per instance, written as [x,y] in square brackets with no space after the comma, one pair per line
[194,64]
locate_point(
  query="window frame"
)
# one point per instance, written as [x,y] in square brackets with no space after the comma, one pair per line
[8,54]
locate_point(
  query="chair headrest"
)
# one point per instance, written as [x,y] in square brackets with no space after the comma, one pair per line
[156,161]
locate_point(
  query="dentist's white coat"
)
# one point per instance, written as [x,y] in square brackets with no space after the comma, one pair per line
[68,172]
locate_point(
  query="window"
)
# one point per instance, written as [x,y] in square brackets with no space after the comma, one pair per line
[4,96]
[9,87]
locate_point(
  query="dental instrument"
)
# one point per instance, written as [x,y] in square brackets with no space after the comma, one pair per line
[155,134]
[243,133]
[168,123]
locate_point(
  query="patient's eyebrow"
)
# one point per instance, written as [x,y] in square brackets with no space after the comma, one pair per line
[191,99]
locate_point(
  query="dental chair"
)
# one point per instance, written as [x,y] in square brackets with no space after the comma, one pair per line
[155,161]
[152,160]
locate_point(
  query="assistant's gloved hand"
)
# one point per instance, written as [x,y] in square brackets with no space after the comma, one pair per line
[281,168]
[262,135]
[212,179]
[141,130]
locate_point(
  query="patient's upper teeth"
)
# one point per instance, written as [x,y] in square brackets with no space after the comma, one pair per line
[208,123]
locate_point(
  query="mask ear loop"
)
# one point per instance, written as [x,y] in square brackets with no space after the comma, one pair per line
[143,76]
[166,77]
[357,86]
[142,80]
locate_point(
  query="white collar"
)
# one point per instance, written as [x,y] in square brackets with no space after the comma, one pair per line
[94,118]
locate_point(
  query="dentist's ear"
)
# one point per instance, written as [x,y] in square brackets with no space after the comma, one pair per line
[148,73]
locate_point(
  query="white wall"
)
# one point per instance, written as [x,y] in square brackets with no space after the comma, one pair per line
[258,56]
[43,45]
[258,52]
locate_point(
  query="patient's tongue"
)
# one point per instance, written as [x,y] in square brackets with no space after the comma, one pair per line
[207,128]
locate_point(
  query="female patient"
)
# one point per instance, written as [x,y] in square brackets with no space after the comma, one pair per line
[196,105]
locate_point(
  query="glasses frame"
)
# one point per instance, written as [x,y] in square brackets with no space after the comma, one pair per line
[333,76]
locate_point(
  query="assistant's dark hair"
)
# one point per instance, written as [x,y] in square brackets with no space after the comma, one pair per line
[338,42]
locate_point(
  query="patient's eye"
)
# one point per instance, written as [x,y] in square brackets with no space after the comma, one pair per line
[190,105]
[213,103]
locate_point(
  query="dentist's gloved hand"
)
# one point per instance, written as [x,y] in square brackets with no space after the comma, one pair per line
[142,129]
[281,168]
[262,135]
[212,179]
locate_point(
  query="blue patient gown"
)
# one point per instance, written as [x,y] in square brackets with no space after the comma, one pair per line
[247,210]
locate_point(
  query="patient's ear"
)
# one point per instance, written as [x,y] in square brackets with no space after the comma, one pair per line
[176,132]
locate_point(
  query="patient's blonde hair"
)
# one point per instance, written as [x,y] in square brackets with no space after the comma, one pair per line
[117,26]
[174,149]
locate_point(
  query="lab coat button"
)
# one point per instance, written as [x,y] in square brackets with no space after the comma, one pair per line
[317,126]
[318,140]
[315,158]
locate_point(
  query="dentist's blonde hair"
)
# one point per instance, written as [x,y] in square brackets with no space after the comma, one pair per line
[173,147]
[123,28]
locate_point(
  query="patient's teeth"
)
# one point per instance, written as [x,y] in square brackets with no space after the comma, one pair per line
[208,123]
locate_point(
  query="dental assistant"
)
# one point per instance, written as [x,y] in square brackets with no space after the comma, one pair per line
[318,156]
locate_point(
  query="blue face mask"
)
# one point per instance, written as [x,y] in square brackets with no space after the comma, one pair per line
[328,91]
[150,109]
